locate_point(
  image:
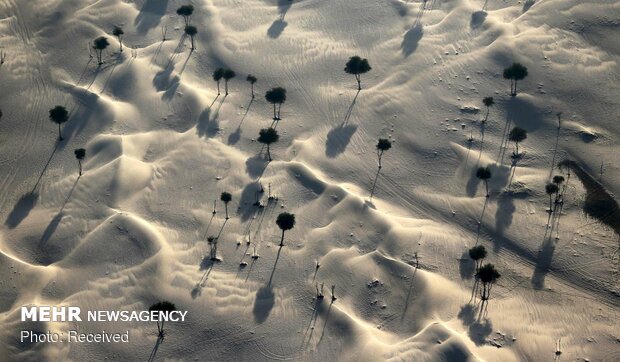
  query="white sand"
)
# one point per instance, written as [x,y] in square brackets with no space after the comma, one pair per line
[161,147]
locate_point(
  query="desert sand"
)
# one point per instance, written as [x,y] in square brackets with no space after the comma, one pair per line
[161,146]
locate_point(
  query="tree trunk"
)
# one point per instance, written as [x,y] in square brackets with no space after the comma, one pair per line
[252,87]
[550,205]
[268,153]
[120,43]
[486,184]
[359,82]
[218,87]
[487,115]
[517,146]
[515,91]
[279,108]
[226,207]
[379,156]
[159,330]
[282,239]
[80,166]
[274,112]
[192,38]
[59,133]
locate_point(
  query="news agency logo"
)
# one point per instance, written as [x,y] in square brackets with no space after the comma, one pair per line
[74,314]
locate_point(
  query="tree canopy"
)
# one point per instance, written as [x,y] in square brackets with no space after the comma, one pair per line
[488,101]
[218,74]
[228,74]
[384,144]
[101,43]
[59,115]
[517,134]
[483,173]
[478,252]
[356,65]
[80,153]
[250,78]
[191,30]
[285,221]
[276,95]
[268,136]
[226,197]
[488,274]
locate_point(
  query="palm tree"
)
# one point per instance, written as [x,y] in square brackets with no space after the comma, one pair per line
[477,253]
[382,146]
[357,66]
[488,102]
[191,31]
[268,136]
[59,115]
[186,12]
[163,306]
[484,174]
[517,135]
[285,222]
[226,198]
[228,75]
[118,33]
[488,275]
[515,73]
[100,44]
[558,180]
[80,153]
[252,79]
[275,96]
[551,189]
[218,74]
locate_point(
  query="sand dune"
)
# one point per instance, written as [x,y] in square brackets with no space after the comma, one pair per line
[161,145]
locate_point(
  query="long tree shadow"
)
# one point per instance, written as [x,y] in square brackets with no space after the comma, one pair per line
[53,225]
[265,297]
[477,19]
[278,26]
[256,165]
[208,125]
[472,184]
[150,15]
[503,214]
[234,137]
[411,39]
[467,267]
[543,262]
[160,339]
[21,209]
[338,139]
[117,61]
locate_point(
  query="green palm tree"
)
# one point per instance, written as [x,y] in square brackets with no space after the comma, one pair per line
[382,145]
[484,174]
[59,115]
[163,306]
[285,221]
[488,102]
[276,96]
[191,31]
[228,75]
[517,135]
[118,33]
[252,79]
[551,189]
[488,275]
[226,198]
[218,74]
[100,44]
[186,12]
[80,154]
[357,66]
[268,136]
[477,253]
[515,73]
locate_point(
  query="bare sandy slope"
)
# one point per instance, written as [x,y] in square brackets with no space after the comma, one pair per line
[161,146]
